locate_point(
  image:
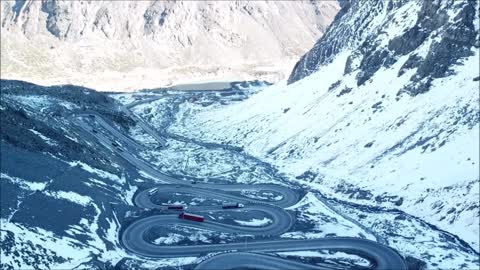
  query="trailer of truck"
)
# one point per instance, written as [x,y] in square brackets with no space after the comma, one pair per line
[175,206]
[191,217]
[231,205]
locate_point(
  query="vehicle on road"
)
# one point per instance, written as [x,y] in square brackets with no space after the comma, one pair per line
[91,116]
[152,191]
[94,131]
[191,217]
[175,206]
[232,205]
[115,144]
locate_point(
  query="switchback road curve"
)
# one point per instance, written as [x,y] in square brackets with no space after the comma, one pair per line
[287,196]
[133,239]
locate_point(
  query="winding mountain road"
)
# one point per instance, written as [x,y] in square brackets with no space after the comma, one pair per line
[381,256]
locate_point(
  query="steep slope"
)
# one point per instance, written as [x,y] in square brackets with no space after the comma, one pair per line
[151,44]
[64,195]
[445,30]
[384,111]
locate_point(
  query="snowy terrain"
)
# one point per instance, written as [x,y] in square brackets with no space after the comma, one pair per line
[325,221]
[377,129]
[88,190]
[124,45]
[61,209]
[317,215]
[339,258]
[254,222]
[182,235]
[373,143]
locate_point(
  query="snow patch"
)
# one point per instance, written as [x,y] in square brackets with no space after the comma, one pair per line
[255,222]
[70,196]
[43,137]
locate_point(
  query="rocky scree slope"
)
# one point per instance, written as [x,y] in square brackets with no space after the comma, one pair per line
[153,43]
[63,194]
[383,111]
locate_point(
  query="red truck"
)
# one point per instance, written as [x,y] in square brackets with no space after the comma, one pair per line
[192,217]
[175,206]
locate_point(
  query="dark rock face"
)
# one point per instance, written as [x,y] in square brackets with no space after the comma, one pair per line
[344,91]
[457,41]
[327,46]
[59,20]
[412,61]
[451,39]
[371,63]
[26,157]
[156,15]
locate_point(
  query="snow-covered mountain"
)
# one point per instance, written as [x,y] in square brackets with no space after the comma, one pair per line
[123,45]
[384,111]
[377,125]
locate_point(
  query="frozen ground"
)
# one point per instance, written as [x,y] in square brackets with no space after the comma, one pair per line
[413,237]
[88,190]
[254,222]
[180,235]
[371,124]
[178,198]
[316,220]
[181,124]
[100,198]
[62,209]
[198,162]
[340,259]
[387,148]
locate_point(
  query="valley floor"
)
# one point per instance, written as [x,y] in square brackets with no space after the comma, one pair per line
[199,155]
[89,187]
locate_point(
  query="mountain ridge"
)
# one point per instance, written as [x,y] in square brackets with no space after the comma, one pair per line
[102,44]
[456,36]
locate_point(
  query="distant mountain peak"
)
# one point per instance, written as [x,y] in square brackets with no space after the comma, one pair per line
[145,44]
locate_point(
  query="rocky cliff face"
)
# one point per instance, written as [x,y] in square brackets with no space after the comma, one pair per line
[444,30]
[173,40]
